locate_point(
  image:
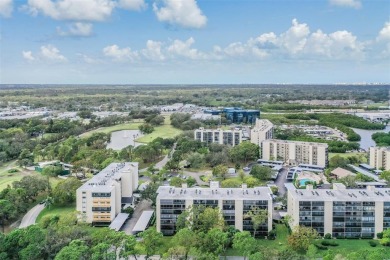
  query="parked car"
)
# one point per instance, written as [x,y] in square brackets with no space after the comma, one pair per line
[246,169]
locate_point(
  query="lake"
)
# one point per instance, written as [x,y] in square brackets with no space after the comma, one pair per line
[366,140]
[124,138]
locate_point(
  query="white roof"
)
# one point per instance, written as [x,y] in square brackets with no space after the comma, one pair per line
[143,221]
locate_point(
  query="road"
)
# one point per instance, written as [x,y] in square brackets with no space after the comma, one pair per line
[31,216]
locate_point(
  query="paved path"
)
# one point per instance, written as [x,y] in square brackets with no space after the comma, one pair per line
[281,180]
[31,216]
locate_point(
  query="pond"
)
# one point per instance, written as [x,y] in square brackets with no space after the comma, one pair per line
[366,140]
[124,138]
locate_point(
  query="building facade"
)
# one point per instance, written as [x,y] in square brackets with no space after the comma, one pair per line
[294,152]
[219,136]
[236,115]
[100,199]
[262,130]
[380,157]
[341,212]
[234,204]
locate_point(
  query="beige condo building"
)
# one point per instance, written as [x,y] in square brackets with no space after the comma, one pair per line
[219,136]
[234,204]
[295,152]
[341,212]
[100,199]
[262,130]
[379,157]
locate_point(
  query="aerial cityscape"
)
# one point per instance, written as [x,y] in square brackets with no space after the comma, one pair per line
[194,129]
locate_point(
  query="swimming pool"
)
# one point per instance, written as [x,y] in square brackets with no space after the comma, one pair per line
[303,181]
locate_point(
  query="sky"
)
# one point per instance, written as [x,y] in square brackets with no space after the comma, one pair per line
[194,41]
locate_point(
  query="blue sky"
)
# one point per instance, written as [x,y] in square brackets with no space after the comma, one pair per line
[188,41]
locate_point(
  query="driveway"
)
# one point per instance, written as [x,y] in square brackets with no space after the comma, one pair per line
[31,216]
[196,175]
[281,180]
[129,225]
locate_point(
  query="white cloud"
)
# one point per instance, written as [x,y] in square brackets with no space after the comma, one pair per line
[153,51]
[6,7]
[27,55]
[113,51]
[183,49]
[51,53]
[294,39]
[136,5]
[346,3]
[383,40]
[185,13]
[77,10]
[77,29]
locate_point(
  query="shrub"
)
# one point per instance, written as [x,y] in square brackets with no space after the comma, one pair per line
[321,247]
[128,210]
[328,236]
[329,243]
[13,170]
[272,234]
[379,235]
[373,243]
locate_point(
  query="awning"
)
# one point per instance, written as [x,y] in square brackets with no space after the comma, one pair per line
[143,221]
[118,222]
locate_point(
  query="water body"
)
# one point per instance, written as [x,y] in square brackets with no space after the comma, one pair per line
[366,140]
[124,138]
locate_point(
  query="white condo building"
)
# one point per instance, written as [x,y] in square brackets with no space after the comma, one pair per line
[379,157]
[100,199]
[341,212]
[262,130]
[233,203]
[295,152]
[219,136]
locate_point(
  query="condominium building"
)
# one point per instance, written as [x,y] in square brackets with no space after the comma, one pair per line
[100,199]
[228,137]
[380,157]
[295,153]
[341,212]
[234,204]
[262,130]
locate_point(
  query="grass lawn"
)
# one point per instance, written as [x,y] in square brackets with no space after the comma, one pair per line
[164,131]
[56,210]
[109,129]
[7,178]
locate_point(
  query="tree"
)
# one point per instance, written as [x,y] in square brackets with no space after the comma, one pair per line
[214,241]
[385,240]
[195,160]
[258,217]
[385,175]
[129,247]
[151,241]
[301,238]
[51,171]
[338,161]
[176,181]
[261,172]
[349,181]
[77,249]
[146,128]
[186,239]
[150,192]
[244,151]
[7,212]
[200,218]
[65,191]
[244,243]
[190,181]
[231,183]
[220,171]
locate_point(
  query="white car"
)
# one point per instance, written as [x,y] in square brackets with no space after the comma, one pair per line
[246,169]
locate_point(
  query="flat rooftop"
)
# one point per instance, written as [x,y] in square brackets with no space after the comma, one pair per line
[169,192]
[381,194]
[103,181]
[296,142]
